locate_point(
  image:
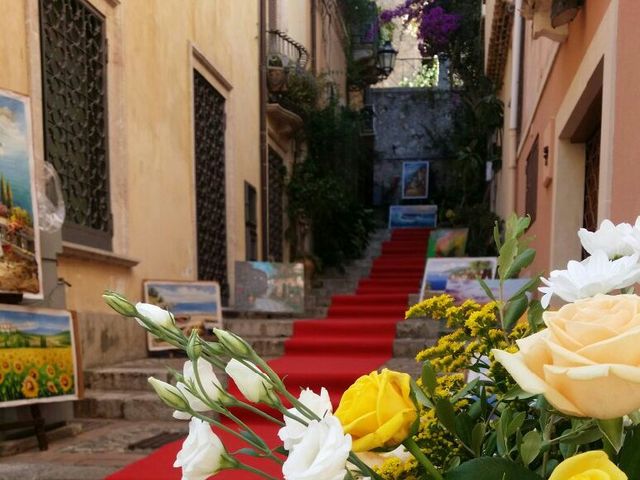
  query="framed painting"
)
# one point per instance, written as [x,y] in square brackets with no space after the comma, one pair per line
[413,216]
[38,356]
[438,271]
[463,289]
[270,287]
[20,267]
[193,304]
[415,179]
[448,242]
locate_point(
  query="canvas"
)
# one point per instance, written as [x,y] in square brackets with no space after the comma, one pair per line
[413,216]
[448,242]
[38,360]
[270,287]
[193,304]
[439,270]
[20,270]
[415,180]
[463,289]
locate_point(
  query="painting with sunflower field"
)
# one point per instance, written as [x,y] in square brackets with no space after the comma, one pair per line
[37,356]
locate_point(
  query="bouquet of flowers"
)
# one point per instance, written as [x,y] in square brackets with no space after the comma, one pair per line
[511,392]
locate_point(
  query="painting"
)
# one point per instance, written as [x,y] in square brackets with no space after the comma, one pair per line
[438,271]
[413,216]
[448,242]
[463,289]
[415,180]
[20,270]
[38,360]
[270,287]
[193,304]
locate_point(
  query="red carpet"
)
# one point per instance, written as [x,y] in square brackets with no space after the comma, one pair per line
[356,338]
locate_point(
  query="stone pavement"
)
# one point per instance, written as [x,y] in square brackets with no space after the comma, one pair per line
[100,449]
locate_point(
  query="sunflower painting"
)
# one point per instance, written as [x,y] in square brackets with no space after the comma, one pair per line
[37,356]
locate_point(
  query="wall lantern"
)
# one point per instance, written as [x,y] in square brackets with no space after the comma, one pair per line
[564,11]
[386,59]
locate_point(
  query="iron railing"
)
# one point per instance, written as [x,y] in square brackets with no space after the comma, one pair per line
[282,44]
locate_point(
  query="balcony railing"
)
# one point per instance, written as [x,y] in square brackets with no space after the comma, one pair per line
[288,49]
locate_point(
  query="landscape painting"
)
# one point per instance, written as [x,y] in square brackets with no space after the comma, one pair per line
[438,271]
[270,287]
[38,360]
[19,236]
[415,179]
[463,289]
[413,216]
[193,304]
[448,242]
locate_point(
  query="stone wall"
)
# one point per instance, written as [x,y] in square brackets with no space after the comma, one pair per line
[410,124]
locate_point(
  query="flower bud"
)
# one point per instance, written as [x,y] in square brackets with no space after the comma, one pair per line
[233,343]
[194,346]
[169,394]
[156,315]
[120,304]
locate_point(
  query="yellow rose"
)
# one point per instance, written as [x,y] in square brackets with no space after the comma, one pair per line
[588,466]
[377,410]
[587,362]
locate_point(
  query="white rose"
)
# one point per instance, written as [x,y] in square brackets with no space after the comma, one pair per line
[202,453]
[210,387]
[155,314]
[293,431]
[322,454]
[609,238]
[594,275]
[252,385]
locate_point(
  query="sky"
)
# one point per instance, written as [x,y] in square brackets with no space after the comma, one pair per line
[35,323]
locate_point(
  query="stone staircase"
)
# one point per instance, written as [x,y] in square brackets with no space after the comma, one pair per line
[121,391]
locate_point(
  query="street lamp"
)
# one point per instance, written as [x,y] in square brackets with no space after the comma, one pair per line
[386,59]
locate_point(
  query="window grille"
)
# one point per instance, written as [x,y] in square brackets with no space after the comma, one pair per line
[251,222]
[74,87]
[210,125]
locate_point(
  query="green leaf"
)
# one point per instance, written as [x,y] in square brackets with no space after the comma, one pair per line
[490,468]
[487,290]
[515,309]
[629,460]
[522,260]
[496,236]
[247,451]
[516,422]
[477,437]
[522,224]
[506,257]
[534,316]
[464,426]
[530,447]
[613,431]
[446,415]
[528,287]
[429,380]
[467,388]
[421,398]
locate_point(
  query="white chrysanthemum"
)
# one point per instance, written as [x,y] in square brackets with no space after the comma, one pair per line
[614,240]
[596,274]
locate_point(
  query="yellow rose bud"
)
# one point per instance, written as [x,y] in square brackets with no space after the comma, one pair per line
[586,466]
[377,410]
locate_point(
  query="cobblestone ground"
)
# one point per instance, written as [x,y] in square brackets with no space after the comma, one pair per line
[100,449]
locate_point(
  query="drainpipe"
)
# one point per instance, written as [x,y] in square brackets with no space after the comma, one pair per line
[264,179]
[511,172]
[314,32]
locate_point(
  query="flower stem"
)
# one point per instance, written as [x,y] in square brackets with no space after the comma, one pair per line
[256,471]
[411,445]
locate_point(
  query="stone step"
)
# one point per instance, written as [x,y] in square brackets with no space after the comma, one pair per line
[128,405]
[419,328]
[409,347]
[269,327]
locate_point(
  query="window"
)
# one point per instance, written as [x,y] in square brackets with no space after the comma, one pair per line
[74,78]
[276,220]
[211,217]
[531,202]
[251,222]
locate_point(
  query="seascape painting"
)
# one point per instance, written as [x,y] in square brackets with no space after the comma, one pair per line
[38,360]
[413,216]
[438,271]
[193,304]
[270,287]
[463,289]
[19,236]
[415,180]
[448,242]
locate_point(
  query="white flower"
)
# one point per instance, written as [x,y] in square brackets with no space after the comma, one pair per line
[210,387]
[252,385]
[202,453]
[609,238]
[293,431]
[322,454]
[157,315]
[596,274]
[633,237]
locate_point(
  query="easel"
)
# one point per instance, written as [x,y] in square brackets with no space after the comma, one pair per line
[37,420]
